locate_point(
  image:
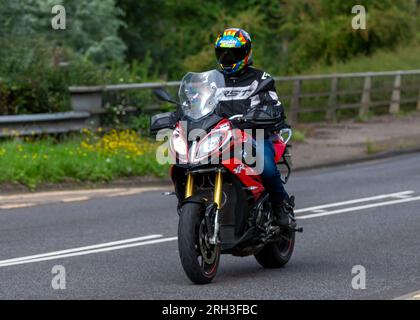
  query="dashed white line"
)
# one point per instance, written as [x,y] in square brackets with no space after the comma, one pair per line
[135,191]
[410,296]
[317,211]
[40,198]
[77,199]
[81,253]
[351,209]
[343,203]
[16,205]
[90,249]
[402,196]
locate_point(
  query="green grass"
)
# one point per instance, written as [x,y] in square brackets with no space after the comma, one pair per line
[373,148]
[298,136]
[32,163]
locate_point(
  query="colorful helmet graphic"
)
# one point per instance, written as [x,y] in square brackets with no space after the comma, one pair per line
[233,50]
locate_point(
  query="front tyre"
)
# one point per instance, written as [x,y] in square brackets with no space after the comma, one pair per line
[199,258]
[277,254]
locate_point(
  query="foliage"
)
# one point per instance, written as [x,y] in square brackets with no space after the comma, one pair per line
[37,63]
[124,41]
[86,33]
[92,157]
[289,35]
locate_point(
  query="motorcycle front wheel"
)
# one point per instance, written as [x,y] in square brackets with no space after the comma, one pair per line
[199,258]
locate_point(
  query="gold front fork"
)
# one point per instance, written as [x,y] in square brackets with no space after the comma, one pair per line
[189,186]
[218,184]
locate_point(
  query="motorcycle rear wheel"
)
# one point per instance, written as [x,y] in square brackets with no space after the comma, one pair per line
[277,254]
[199,259]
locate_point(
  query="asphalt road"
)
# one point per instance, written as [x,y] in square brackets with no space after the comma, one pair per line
[377,226]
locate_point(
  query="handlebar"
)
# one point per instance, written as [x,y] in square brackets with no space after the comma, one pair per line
[283,131]
[236,116]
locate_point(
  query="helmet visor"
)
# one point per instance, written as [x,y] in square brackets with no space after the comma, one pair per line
[229,56]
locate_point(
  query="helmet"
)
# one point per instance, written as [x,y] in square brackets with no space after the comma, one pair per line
[233,50]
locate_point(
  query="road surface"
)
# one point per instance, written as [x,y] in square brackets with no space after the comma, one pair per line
[122,245]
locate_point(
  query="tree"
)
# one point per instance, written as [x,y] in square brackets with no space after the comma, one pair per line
[91,29]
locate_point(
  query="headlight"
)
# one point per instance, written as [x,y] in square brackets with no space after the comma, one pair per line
[210,143]
[178,144]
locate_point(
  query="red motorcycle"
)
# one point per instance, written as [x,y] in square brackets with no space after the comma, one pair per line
[223,207]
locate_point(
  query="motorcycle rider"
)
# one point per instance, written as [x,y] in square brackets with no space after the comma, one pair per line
[234,55]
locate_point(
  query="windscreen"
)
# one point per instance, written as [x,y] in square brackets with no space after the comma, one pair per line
[199,93]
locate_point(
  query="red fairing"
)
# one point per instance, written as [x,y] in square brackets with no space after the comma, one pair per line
[246,175]
[279,148]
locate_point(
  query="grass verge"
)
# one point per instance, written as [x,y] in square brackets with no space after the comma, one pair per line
[91,157]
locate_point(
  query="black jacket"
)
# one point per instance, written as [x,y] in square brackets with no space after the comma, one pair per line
[238,94]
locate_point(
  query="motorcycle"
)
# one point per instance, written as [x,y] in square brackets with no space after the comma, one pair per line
[222,204]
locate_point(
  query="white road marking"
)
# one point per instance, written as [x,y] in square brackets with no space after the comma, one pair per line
[16,205]
[57,196]
[343,203]
[91,247]
[410,296]
[77,199]
[319,211]
[402,196]
[130,192]
[36,195]
[16,201]
[367,206]
[81,253]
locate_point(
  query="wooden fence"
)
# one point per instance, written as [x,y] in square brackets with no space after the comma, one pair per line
[327,95]
[392,96]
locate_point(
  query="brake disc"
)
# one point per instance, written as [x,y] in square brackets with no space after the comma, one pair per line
[208,251]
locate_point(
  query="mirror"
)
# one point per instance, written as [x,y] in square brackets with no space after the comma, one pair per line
[163,95]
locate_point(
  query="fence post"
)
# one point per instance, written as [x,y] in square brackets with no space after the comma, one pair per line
[367,86]
[87,99]
[295,105]
[396,95]
[332,102]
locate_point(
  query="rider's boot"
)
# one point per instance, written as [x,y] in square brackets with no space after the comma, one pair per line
[284,212]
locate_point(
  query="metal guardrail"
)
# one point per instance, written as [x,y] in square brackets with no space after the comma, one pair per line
[88,101]
[45,123]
